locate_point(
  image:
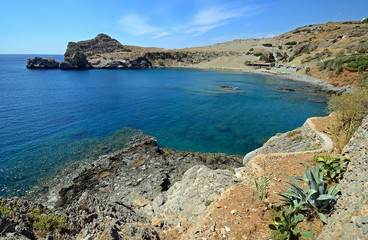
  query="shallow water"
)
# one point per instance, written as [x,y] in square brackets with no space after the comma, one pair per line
[52,117]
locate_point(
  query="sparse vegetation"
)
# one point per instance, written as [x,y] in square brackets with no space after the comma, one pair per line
[365,20]
[332,167]
[160,62]
[348,109]
[231,169]
[286,228]
[5,209]
[295,135]
[44,221]
[267,44]
[207,203]
[261,185]
[291,43]
[350,63]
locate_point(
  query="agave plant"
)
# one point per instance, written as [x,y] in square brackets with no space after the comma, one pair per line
[316,199]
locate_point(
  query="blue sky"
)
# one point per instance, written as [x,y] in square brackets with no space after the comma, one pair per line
[45,27]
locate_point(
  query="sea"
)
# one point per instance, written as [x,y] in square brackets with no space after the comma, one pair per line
[52,118]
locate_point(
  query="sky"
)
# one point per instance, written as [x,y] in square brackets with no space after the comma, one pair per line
[46,27]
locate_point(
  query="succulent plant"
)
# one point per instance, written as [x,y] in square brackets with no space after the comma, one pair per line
[331,166]
[286,228]
[316,199]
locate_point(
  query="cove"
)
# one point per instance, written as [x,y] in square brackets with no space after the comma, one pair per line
[49,118]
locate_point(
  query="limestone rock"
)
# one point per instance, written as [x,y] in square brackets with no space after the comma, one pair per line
[185,200]
[102,43]
[42,63]
[76,61]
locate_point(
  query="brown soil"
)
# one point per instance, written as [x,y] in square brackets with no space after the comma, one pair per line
[240,209]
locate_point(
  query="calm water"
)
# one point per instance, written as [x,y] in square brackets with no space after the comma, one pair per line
[52,117]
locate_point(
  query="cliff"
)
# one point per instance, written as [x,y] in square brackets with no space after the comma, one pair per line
[350,221]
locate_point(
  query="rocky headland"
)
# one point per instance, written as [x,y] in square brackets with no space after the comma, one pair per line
[147,192]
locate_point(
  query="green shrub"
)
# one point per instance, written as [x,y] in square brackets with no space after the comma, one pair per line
[231,169]
[208,203]
[247,63]
[160,62]
[280,47]
[317,199]
[5,209]
[351,63]
[332,167]
[46,221]
[291,43]
[267,44]
[252,49]
[365,20]
[286,228]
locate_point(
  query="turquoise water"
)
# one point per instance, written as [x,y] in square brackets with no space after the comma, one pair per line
[51,117]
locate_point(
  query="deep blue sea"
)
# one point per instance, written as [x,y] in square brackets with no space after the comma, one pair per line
[49,118]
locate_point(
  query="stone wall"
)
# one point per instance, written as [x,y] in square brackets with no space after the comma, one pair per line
[350,220]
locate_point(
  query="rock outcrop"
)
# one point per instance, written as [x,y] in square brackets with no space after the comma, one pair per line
[98,45]
[76,61]
[42,63]
[118,195]
[350,221]
[186,201]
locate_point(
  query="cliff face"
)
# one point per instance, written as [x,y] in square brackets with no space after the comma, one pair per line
[350,221]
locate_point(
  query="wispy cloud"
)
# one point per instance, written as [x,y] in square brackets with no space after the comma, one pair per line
[215,15]
[160,35]
[137,25]
[199,30]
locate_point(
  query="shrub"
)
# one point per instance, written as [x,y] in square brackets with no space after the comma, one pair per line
[160,62]
[291,43]
[252,49]
[365,20]
[280,47]
[348,109]
[332,167]
[46,221]
[5,209]
[286,228]
[351,63]
[247,63]
[317,199]
[267,44]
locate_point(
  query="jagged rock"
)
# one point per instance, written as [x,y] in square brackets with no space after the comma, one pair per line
[102,43]
[76,61]
[186,200]
[42,63]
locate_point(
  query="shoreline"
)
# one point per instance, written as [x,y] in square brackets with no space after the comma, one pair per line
[293,76]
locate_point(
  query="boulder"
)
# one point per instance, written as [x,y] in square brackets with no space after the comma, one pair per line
[42,63]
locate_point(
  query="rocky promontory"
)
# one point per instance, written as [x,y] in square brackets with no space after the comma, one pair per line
[42,63]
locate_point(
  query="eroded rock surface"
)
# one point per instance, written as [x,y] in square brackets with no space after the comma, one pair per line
[42,63]
[350,221]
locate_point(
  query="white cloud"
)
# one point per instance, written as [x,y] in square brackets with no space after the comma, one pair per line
[215,15]
[137,24]
[199,30]
[160,35]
